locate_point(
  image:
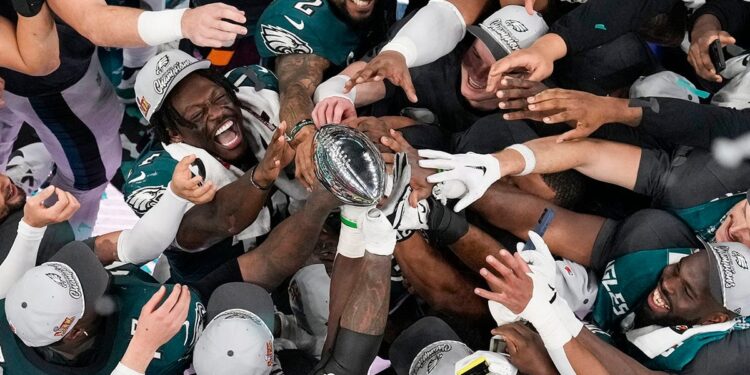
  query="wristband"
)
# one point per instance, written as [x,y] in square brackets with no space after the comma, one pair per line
[566,316]
[334,86]
[528,157]
[380,237]
[160,27]
[296,129]
[537,312]
[28,8]
[351,240]
[255,184]
[446,226]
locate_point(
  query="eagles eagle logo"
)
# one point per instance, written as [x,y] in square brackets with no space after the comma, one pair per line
[517,26]
[283,42]
[144,198]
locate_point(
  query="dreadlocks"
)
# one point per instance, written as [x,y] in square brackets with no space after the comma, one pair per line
[167,118]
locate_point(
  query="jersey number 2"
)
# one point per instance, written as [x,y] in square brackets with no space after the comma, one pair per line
[305,6]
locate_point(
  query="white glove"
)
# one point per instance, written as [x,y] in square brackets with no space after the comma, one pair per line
[498,363]
[380,237]
[450,189]
[403,217]
[476,171]
[540,260]
[351,239]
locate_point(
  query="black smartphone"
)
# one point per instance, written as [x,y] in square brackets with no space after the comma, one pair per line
[717,56]
[197,168]
[541,226]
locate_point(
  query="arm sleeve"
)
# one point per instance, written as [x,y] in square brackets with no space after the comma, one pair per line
[595,23]
[154,232]
[734,15]
[22,255]
[124,370]
[691,124]
[434,31]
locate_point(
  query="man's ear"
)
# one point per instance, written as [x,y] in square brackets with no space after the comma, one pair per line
[716,317]
[174,136]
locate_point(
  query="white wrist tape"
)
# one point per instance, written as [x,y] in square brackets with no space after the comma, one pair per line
[567,317]
[351,239]
[539,312]
[154,232]
[528,157]
[21,257]
[160,27]
[421,41]
[121,369]
[334,86]
[380,237]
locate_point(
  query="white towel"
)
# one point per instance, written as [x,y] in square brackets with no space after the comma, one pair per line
[655,340]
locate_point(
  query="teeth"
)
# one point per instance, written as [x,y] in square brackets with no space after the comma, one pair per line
[362,3]
[225,127]
[659,299]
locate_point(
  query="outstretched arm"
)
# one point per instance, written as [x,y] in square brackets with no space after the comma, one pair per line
[115,26]
[31,46]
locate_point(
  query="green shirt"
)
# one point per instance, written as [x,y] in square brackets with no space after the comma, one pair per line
[130,288]
[305,27]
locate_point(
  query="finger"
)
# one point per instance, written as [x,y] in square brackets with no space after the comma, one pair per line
[498,69]
[501,268]
[522,268]
[444,176]
[233,14]
[195,182]
[59,206]
[174,296]
[328,114]
[183,304]
[154,300]
[44,194]
[529,5]
[510,262]
[399,137]
[70,209]
[437,164]
[564,116]
[513,82]
[408,86]
[184,164]
[316,114]
[726,39]
[521,115]
[231,28]
[513,104]
[492,296]
[391,143]
[338,112]
[572,134]
[496,284]
[434,154]
[388,157]
[365,74]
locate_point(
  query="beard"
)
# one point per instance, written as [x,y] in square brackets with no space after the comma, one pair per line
[645,317]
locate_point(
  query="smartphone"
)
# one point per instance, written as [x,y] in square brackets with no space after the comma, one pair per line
[717,56]
[497,344]
[541,226]
[197,168]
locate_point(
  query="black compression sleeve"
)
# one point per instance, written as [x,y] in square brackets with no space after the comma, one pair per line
[352,354]
[28,8]
[595,23]
[226,273]
[691,124]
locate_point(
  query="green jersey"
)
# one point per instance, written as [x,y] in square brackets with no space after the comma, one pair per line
[625,284]
[706,218]
[130,289]
[306,27]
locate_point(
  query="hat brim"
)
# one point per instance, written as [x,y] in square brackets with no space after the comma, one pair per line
[198,65]
[93,276]
[244,296]
[714,275]
[498,52]
[409,343]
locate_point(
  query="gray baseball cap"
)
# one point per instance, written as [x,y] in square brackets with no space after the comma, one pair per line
[509,29]
[238,339]
[49,300]
[735,93]
[729,275]
[160,75]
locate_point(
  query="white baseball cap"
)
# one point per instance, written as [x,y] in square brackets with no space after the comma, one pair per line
[509,29]
[160,75]
[238,339]
[729,275]
[666,84]
[49,300]
[736,93]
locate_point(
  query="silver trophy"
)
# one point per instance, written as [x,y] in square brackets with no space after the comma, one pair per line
[349,165]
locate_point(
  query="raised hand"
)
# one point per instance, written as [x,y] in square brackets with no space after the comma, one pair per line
[188,186]
[476,171]
[209,25]
[333,110]
[529,61]
[390,65]
[158,323]
[278,155]
[421,188]
[37,215]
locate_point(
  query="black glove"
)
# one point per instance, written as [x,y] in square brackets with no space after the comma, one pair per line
[28,8]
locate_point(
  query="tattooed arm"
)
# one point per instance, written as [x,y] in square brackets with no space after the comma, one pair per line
[299,76]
